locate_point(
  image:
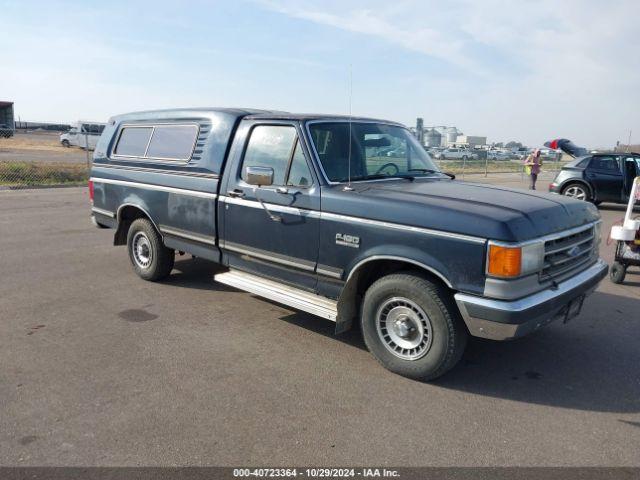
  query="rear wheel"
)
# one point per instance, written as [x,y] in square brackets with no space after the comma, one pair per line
[65,143]
[151,260]
[412,326]
[617,272]
[577,191]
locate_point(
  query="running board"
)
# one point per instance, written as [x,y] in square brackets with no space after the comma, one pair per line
[278,292]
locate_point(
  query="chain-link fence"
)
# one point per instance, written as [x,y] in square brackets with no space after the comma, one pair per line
[39,158]
[44,158]
[486,166]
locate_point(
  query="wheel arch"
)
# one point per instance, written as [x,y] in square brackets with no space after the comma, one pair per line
[580,181]
[126,214]
[366,271]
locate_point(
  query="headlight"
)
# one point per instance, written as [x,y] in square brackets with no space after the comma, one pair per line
[514,261]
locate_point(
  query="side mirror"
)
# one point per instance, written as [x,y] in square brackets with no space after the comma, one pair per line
[261,176]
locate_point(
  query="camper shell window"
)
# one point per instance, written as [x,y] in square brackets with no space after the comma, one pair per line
[163,142]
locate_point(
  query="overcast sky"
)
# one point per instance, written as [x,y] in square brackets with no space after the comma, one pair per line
[510,70]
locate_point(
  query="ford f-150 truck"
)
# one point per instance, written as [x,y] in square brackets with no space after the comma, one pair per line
[310,211]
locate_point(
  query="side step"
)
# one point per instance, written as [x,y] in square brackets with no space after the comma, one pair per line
[278,292]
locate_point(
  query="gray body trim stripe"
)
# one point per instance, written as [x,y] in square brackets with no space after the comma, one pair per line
[398,226]
[161,188]
[106,213]
[271,206]
[350,219]
[271,256]
[156,170]
[329,271]
[176,232]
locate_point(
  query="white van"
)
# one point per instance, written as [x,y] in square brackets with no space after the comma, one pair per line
[83,135]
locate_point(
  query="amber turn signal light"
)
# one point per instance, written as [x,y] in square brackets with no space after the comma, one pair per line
[504,261]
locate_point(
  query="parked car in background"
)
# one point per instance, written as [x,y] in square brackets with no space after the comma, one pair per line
[5,131]
[548,154]
[456,153]
[521,153]
[602,177]
[397,152]
[499,155]
[83,135]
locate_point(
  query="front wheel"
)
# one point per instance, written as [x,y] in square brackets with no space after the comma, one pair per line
[65,143]
[151,260]
[412,327]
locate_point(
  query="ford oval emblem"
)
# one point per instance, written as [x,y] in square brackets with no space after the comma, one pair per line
[574,251]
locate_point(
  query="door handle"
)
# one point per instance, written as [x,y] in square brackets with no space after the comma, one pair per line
[236,193]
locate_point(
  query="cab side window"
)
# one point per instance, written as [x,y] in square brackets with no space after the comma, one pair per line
[605,164]
[277,147]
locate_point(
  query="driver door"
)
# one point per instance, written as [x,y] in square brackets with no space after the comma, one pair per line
[273,229]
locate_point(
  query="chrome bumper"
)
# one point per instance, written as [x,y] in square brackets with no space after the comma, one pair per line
[504,320]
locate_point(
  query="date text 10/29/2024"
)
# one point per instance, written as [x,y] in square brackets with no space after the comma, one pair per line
[316,472]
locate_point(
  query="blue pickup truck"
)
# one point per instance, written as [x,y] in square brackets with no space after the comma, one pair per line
[312,211]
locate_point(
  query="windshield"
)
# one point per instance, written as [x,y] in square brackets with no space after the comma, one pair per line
[377,151]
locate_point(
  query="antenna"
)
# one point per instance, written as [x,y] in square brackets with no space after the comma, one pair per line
[348,187]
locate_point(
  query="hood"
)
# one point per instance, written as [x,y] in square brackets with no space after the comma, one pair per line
[479,210]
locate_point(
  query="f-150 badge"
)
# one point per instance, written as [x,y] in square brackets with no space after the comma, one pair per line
[347,240]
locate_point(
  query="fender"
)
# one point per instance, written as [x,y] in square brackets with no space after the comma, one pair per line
[347,302]
[403,253]
[117,238]
[424,266]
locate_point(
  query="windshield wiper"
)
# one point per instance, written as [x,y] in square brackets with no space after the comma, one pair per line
[379,176]
[430,170]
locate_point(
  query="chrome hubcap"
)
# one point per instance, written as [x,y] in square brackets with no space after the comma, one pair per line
[142,253]
[576,192]
[404,328]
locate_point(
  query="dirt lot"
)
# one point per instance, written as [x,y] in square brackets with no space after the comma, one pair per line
[102,368]
[41,147]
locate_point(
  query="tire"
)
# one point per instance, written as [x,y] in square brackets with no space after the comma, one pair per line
[577,190]
[65,143]
[151,260]
[617,272]
[439,334]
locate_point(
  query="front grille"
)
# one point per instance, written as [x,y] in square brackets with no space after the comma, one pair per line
[569,252]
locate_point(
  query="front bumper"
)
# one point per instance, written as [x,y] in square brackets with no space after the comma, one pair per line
[504,320]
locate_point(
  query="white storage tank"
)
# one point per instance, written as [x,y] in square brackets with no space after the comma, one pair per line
[452,135]
[433,138]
